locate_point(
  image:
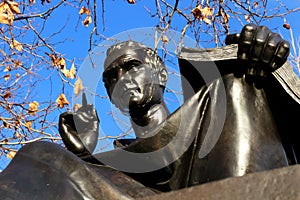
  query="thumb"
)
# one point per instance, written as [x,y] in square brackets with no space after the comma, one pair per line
[232,39]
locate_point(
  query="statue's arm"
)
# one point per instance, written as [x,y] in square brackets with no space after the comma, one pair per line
[79,130]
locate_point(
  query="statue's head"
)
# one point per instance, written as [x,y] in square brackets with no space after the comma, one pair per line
[134,76]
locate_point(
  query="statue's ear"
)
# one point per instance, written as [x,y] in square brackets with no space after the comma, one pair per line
[163,77]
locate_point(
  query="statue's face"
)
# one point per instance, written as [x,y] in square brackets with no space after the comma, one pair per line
[133,85]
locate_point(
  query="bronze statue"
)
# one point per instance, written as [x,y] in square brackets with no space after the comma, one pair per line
[135,78]
[256,133]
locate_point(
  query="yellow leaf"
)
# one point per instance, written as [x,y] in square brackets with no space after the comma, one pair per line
[81,11]
[77,106]
[18,135]
[6,19]
[16,45]
[7,69]
[33,108]
[11,154]
[62,101]
[84,10]
[207,11]
[78,87]
[131,1]
[87,21]
[6,77]
[69,74]
[72,71]
[165,40]
[14,6]
[7,11]
[206,20]
[57,61]
[203,13]
[247,18]
[60,62]
[28,125]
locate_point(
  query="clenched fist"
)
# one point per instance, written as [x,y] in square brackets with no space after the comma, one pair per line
[262,50]
[79,130]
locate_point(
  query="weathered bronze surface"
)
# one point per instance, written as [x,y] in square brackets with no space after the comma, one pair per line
[254,84]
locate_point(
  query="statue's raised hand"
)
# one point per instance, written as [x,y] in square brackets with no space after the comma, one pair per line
[262,50]
[79,130]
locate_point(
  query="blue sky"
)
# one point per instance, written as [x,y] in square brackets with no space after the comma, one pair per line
[119,17]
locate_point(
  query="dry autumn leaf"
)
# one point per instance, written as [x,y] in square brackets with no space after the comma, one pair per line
[60,62]
[33,107]
[14,6]
[7,69]
[7,11]
[247,18]
[286,26]
[165,40]
[57,61]
[7,95]
[76,106]
[203,14]
[78,87]
[6,19]
[62,101]
[28,125]
[11,154]
[16,45]
[131,1]
[7,77]
[70,73]
[88,18]
[84,10]
[87,21]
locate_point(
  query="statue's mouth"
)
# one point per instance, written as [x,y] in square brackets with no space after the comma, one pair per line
[131,92]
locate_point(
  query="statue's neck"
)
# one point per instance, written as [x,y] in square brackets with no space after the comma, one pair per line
[144,123]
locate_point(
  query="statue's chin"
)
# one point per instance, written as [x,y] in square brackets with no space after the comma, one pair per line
[135,101]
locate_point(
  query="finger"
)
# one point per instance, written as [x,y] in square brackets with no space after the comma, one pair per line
[270,48]
[256,70]
[83,117]
[281,54]
[245,41]
[232,39]
[94,114]
[259,40]
[84,100]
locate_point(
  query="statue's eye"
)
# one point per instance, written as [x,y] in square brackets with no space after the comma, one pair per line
[110,76]
[132,64]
